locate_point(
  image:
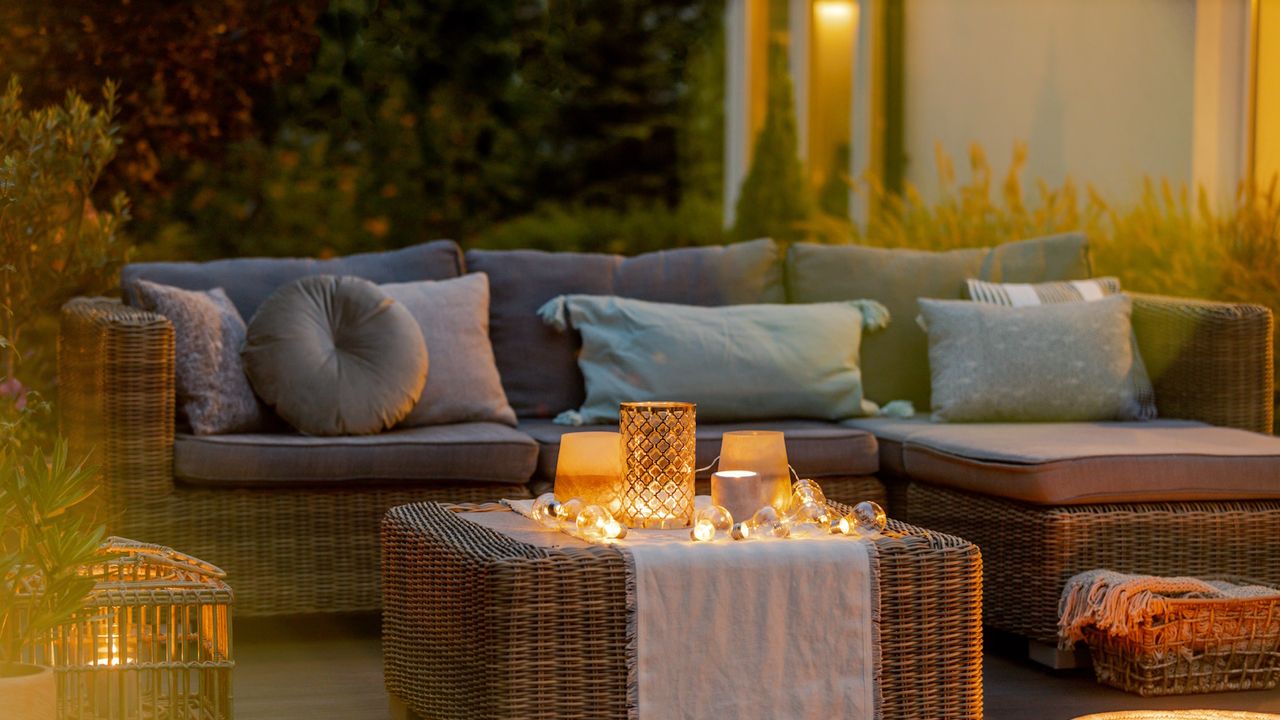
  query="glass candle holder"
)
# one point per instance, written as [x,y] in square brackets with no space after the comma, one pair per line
[589,467]
[763,452]
[659,455]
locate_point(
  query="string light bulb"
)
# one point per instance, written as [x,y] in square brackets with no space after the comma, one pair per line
[703,530]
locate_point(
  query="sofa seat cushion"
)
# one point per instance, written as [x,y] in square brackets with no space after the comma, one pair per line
[473,452]
[815,449]
[1094,463]
[891,436]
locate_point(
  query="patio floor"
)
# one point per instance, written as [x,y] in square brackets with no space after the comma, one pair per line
[314,668]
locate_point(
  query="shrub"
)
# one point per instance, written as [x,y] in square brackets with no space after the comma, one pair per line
[45,544]
[640,228]
[54,244]
[1164,243]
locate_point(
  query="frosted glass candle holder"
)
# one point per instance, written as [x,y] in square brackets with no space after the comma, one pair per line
[763,452]
[659,455]
[589,467]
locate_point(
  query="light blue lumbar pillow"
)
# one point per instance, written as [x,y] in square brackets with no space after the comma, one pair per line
[737,362]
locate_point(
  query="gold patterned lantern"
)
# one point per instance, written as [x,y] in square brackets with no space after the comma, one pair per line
[659,454]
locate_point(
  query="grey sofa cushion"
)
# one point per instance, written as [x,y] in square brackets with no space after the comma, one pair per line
[213,392]
[336,356]
[815,449]
[1090,463]
[479,452]
[463,384]
[538,364]
[249,281]
[891,437]
[895,362]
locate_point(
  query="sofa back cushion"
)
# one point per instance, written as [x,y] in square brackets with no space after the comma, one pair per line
[539,365]
[249,281]
[895,361]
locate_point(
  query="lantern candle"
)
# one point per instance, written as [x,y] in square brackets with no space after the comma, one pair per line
[763,452]
[738,491]
[659,461]
[589,468]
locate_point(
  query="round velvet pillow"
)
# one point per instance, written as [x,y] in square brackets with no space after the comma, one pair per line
[336,356]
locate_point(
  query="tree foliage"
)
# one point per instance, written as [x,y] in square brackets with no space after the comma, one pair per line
[428,119]
[54,243]
[192,75]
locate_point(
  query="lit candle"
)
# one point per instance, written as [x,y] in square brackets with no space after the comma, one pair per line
[589,468]
[738,491]
[763,452]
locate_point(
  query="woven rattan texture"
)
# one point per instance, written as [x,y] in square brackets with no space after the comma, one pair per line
[288,550]
[478,625]
[1029,552]
[1208,361]
[1194,646]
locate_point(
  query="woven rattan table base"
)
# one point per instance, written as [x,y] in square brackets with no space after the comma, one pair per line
[479,625]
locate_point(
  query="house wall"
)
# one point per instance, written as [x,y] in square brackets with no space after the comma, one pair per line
[1102,91]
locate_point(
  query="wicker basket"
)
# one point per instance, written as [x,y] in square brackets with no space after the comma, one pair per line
[1194,646]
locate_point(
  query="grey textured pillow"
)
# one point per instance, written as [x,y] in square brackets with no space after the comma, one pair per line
[1050,293]
[463,385]
[336,356]
[213,393]
[1046,363]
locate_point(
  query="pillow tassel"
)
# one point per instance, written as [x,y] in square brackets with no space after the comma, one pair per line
[572,418]
[555,313]
[874,315]
[901,409]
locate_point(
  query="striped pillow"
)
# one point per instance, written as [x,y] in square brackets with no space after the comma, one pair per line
[1053,293]
[1049,293]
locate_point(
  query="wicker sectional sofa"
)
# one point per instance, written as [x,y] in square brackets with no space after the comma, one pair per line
[295,520]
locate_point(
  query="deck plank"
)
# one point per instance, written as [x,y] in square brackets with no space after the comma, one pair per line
[316,668]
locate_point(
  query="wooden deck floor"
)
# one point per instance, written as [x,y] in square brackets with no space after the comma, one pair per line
[316,668]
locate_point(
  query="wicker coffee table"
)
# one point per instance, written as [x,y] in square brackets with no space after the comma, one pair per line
[478,624]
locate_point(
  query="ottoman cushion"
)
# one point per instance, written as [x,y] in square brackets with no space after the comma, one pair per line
[1092,463]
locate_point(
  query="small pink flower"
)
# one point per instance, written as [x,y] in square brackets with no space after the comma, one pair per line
[14,388]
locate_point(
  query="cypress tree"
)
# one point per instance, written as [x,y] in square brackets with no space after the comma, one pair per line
[775,197]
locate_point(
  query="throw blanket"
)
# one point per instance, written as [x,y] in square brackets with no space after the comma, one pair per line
[1115,603]
[761,629]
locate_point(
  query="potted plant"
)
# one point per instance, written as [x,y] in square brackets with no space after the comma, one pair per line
[44,544]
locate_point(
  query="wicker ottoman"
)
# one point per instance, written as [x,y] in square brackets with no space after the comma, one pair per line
[479,625]
[1031,551]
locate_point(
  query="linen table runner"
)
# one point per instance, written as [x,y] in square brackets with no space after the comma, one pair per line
[763,628]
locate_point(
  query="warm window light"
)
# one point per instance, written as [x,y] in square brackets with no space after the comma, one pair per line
[833,10]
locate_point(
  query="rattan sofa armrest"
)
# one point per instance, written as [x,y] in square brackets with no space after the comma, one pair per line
[1209,361]
[116,396]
